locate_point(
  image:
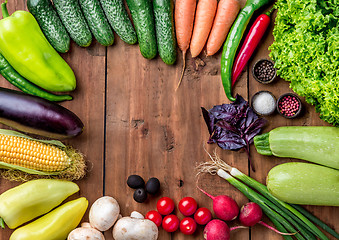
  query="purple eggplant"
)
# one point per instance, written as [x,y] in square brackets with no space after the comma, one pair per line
[37,116]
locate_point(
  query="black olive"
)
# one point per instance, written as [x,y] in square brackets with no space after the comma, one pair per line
[140,195]
[153,185]
[135,181]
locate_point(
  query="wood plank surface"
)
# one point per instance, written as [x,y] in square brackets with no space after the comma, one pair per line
[136,123]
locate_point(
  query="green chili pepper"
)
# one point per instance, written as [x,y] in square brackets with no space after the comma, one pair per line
[25,47]
[32,199]
[9,73]
[233,41]
[55,225]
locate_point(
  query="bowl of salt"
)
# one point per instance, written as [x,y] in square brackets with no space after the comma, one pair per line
[263,103]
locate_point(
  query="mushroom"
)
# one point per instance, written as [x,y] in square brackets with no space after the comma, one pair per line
[104,213]
[135,228]
[85,232]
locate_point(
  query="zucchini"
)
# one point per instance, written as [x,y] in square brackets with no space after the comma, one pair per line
[315,144]
[118,18]
[164,28]
[74,21]
[97,21]
[304,183]
[142,15]
[50,24]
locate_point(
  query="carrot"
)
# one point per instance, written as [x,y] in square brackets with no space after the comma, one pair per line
[226,13]
[203,24]
[184,18]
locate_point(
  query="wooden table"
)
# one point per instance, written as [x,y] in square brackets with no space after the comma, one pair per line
[136,123]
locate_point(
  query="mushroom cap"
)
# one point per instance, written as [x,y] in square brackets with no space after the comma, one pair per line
[128,228]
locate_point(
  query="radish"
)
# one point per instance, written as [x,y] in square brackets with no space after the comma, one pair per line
[251,214]
[224,207]
[216,230]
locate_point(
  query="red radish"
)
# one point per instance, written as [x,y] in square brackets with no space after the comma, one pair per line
[251,214]
[216,230]
[224,207]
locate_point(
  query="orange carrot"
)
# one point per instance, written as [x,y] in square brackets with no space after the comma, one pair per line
[203,24]
[184,18]
[226,13]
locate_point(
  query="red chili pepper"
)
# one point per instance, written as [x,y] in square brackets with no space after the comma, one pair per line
[251,42]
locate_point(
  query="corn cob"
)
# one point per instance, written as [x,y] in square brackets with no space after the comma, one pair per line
[38,157]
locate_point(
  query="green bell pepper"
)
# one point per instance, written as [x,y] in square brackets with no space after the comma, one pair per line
[32,199]
[55,225]
[27,50]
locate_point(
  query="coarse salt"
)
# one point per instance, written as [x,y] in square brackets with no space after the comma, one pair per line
[264,103]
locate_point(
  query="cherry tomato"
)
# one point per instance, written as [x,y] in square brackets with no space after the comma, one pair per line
[202,216]
[170,223]
[187,206]
[155,217]
[188,226]
[165,205]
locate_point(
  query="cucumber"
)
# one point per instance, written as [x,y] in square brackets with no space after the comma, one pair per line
[118,18]
[74,21]
[97,21]
[142,15]
[318,144]
[50,24]
[164,28]
[304,183]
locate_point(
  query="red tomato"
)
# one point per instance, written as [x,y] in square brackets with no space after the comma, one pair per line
[202,216]
[155,217]
[188,226]
[187,206]
[165,205]
[170,223]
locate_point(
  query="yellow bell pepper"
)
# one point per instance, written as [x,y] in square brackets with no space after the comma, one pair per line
[55,225]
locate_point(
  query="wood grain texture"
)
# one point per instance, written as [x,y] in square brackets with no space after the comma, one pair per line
[136,123]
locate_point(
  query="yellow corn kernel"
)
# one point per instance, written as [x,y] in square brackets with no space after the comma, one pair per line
[32,154]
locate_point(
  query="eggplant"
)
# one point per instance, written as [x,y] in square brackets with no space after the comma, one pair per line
[37,116]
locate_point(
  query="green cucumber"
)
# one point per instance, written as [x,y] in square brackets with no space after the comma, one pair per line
[74,21]
[164,27]
[50,24]
[97,21]
[118,18]
[304,183]
[142,15]
[315,144]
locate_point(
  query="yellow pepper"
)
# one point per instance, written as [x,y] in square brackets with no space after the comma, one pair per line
[55,225]
[32,199]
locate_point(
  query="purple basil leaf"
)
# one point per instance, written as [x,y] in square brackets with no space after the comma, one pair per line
[208,120]
[230,141]
[228,127]
[233,126]
[224,111]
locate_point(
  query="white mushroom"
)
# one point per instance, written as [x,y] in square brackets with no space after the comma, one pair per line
[131,228]
[85,232]
[104,213]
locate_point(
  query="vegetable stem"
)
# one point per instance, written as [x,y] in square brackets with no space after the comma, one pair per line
[273,229]
[280,227]
[2,223]
[4,9]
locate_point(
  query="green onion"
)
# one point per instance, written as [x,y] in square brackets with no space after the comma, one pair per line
[316,220]
[261,201]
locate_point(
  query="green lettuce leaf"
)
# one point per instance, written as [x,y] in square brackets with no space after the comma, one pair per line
[306,52]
